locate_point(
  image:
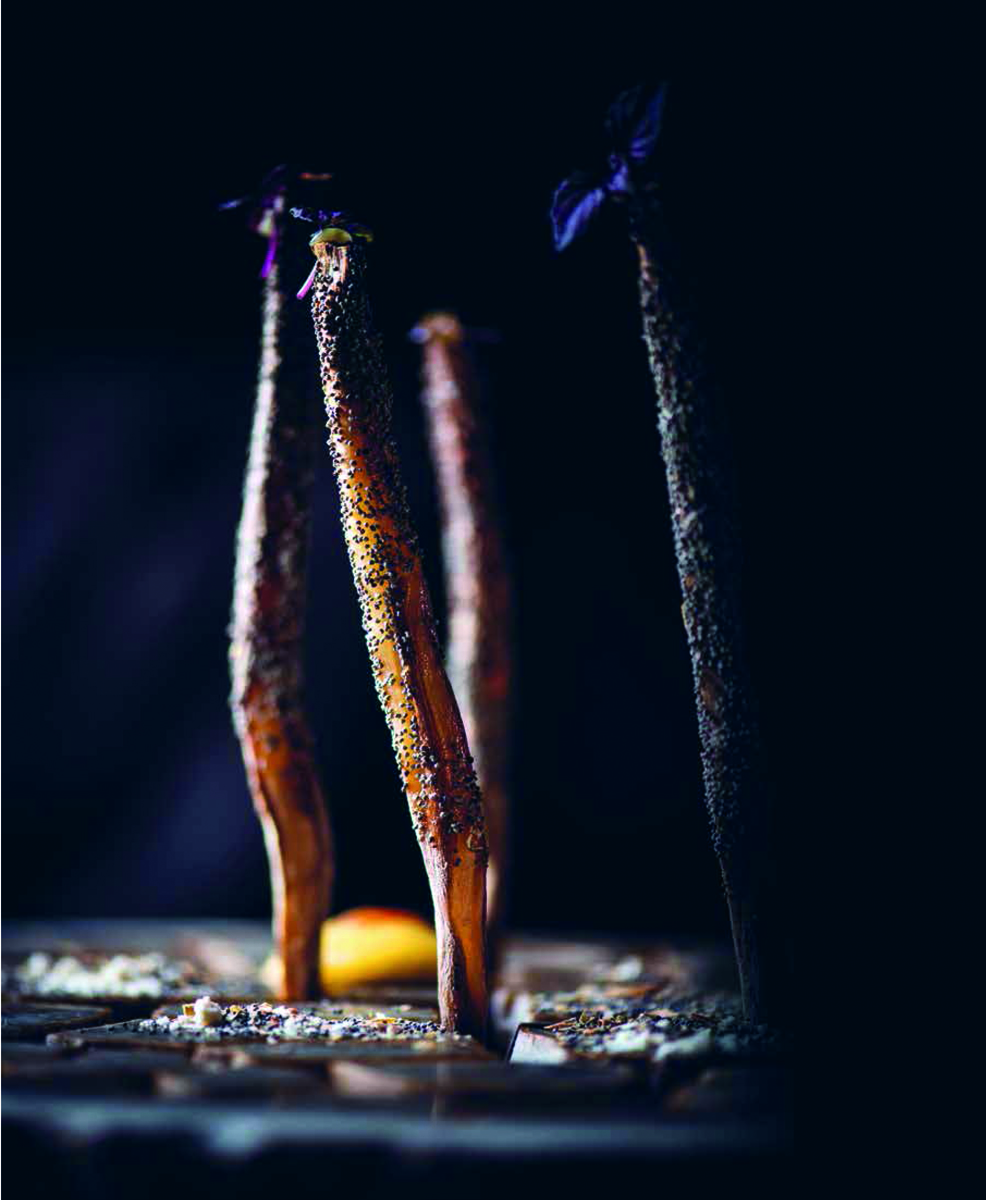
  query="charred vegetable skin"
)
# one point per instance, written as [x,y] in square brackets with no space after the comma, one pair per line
[477,582]
[698,467]
[426,728]
[268,623]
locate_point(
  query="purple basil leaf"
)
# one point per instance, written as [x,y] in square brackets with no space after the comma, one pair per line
[271,186]
[622,117]
[634,122]
[276,178]
[619,174]
[227,204]
[648,127]
[574,203]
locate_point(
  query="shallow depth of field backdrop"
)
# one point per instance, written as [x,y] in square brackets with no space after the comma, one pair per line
[130,356]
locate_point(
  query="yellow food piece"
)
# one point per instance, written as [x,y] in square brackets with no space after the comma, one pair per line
[370,945]
[375,945]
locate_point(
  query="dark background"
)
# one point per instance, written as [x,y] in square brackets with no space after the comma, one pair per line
[130,355]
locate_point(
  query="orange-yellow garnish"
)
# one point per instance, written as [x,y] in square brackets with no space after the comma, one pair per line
[375,945]
[369,946]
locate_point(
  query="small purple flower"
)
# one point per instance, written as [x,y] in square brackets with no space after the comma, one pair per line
[266,206]
[632,128]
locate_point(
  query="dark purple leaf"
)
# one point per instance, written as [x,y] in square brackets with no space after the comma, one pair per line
[619,174]
[634,122]
[271,186]
[648,127]
[622,117]
[574,203]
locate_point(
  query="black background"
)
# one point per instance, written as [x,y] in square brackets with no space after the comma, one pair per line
[130,355]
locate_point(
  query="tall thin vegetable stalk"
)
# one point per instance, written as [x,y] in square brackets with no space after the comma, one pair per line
[268,621]
[698,468]
[426,729]
[477,655]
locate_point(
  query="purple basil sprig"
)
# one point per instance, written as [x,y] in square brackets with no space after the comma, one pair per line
[266,205]
[632,129]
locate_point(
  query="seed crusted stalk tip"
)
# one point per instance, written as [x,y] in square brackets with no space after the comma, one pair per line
[426,729]
[267,631]
[478,656]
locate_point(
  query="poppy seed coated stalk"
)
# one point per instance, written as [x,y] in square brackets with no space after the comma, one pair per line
[426,729]
[699,473]
[268,624]
[477,656]
[703,504]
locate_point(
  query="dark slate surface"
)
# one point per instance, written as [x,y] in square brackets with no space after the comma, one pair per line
[98,1111]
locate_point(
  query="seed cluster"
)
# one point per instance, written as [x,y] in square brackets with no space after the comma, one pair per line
[606,1000]
[434,762]
[662,1033]
[276,1023]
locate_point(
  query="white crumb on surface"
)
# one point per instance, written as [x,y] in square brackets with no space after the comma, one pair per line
[628,1041]
[697,1043]
[626,970]
[121,975]
[207,1012]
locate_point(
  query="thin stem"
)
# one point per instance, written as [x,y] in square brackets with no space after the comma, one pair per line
[703,506]
[267,631]
[426,728]
[478,656]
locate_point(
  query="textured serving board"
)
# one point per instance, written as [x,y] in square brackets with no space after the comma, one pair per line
[27,1021]
[373,1035]
[694,1070]
[237,1083]
[604,977]
[485,1080]
[367,1113]
[405,1012]
[93,1071]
